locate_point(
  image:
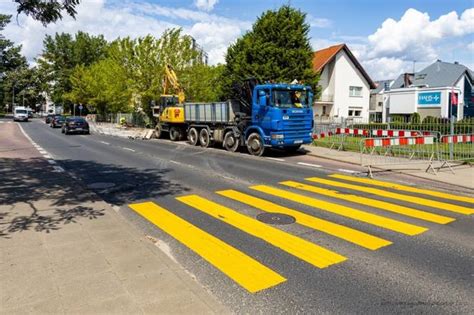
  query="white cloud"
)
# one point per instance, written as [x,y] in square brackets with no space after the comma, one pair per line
[318,22]
[414,36]
[205,5]
[392,49]
[214,33]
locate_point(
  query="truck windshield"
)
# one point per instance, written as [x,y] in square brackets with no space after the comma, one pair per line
[290,98]
[20,111]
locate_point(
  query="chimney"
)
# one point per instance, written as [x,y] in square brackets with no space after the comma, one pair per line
[456,63]
[407,79]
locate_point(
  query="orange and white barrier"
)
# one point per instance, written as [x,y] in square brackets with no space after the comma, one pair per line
[395,133]
[322,135]
[352,131]
[458,139]
[399,141]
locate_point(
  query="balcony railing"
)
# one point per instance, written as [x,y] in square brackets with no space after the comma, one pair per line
[325,98]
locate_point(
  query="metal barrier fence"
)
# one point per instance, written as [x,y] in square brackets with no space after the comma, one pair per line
[406,151]
[456,149]
[401,151]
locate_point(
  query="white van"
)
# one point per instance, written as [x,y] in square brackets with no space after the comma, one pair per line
[20,114]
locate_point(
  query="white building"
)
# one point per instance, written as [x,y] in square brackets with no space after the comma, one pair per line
[428,92]
[345,86]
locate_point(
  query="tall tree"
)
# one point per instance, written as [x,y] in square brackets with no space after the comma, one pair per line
[61,54]
[10,61]
[47,11]
[276,49]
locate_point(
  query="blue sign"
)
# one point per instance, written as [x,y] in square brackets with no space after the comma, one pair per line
[429,98]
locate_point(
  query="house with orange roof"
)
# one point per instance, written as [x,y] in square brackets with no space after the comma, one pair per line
[345,85]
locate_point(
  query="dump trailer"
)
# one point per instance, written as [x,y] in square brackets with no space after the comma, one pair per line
[264,116]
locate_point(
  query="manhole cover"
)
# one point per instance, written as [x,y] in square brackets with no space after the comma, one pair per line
[275,218]
[100,185]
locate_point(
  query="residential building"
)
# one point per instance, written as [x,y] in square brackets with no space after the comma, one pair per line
[344,84]
[377,99]
[428,92]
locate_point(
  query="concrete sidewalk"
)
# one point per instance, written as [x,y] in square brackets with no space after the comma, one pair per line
[463,175]
[64,250]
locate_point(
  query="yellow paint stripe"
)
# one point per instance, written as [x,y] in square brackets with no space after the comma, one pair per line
[404,188]
[340,231]
[377,220]
[305,250]
[247,272]
[392,195]
[387,206]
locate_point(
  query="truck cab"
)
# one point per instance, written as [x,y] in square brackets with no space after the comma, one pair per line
[282,117]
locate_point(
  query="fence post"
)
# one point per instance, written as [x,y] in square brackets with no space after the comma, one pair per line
[451,145]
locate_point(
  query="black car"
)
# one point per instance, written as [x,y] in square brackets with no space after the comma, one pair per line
[49,117]
[57,121]
[75,125]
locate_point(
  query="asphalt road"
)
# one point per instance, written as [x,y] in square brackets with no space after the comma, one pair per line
[430,272]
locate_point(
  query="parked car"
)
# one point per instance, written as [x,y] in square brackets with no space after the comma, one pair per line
[30,113]
[20,114]
[49,117]
[57,121]
[75,125]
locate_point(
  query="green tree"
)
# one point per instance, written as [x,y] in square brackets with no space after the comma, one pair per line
[202,83]
[61,54]
[276,49]
[47,11]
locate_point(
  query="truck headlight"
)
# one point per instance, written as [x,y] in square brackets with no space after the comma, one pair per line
[286,117]
[275,137]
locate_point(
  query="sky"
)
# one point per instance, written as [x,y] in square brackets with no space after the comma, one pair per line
[388,38]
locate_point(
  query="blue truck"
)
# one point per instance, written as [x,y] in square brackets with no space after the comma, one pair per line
[260,116]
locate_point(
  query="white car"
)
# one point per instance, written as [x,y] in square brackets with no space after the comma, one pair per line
[20,114]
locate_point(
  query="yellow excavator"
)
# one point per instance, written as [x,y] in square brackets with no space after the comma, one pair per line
[170,111]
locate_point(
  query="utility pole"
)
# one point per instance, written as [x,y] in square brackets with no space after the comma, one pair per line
[13,97]
[414,64]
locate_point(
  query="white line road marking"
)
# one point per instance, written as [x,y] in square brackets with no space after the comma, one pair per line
[104,142]
[128,149]
[275,159]
[175,162]
[51,161]
[47,156]
[58,169]
[181,142]
[347,171]
[42,151]
[309,164]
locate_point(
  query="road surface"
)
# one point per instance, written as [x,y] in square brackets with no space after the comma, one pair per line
[334,243]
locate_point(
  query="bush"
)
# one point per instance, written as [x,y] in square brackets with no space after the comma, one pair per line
[415,118]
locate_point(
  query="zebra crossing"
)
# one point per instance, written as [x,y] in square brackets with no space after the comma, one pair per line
[322,195]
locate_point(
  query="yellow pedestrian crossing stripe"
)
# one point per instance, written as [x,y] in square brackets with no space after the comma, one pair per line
[340,231]
[244,270]
[411,189]
[305,250]
[418,214]
[377,220]
[388,194]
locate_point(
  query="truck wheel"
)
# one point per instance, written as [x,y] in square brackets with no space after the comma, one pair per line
[193,136]
[231,143]
[255,144]
[175,134]
[204,138]
[158,131]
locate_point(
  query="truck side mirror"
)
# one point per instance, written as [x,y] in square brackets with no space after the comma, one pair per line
[310,98]
[262,98]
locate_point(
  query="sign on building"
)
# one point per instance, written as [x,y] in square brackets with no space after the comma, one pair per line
[429,98]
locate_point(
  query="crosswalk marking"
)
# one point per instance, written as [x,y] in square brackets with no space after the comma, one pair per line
[411,189]
[377,220]
[340,231]
[305,250]
[388,194]
[247,272]
[427,216]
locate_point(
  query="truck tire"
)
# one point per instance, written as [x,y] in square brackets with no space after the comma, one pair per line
[231,143]
[158,131]
[255,144]
[175,134]
[204,138]
[193,137]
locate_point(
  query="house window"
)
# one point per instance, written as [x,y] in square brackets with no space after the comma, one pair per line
[324,110]
[355,91]
[380,103]
[354,112]
[357,113]
[351,113]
